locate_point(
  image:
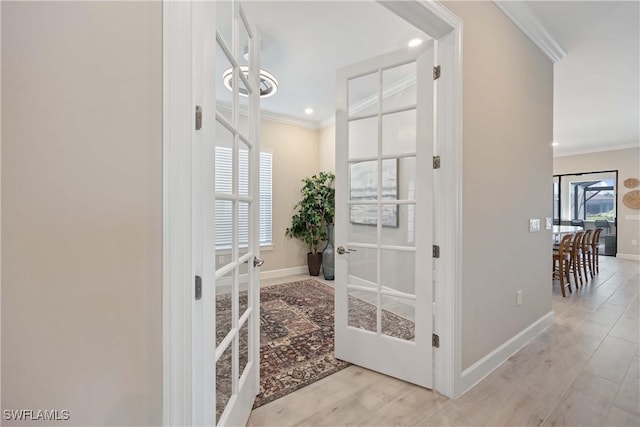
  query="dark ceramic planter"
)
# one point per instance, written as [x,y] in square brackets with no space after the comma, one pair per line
[314,261]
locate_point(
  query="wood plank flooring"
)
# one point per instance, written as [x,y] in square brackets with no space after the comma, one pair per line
[584,370]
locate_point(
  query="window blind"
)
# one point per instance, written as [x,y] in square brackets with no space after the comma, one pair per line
[224,208]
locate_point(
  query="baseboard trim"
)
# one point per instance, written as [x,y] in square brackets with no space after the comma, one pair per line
[632,257]
[274,274]
[476,372]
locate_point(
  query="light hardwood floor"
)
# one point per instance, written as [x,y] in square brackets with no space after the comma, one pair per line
[582,371]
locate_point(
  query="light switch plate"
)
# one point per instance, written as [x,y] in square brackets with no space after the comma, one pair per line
[549,222]
[534,225]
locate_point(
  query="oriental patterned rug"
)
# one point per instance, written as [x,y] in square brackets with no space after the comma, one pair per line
[297,336]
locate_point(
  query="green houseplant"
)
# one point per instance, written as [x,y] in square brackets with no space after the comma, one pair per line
[313,213]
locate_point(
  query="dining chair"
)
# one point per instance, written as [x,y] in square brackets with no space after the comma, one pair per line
[574,265]
[595,251]
[604,224]
[577,223]
[586,255]
[562,263]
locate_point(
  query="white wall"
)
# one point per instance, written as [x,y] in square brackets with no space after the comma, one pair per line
[507,175]
[627,162]
[295,156]
[82,210]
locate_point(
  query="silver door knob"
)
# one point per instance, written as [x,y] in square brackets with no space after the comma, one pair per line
[257,262]
[341,250]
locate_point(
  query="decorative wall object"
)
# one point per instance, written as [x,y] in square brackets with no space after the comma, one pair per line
[364,187]
[632,199]
[631,182]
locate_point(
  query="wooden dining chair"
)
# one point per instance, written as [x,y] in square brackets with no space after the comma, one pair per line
[586,255]
[595,251]
[562,263]
[574,266]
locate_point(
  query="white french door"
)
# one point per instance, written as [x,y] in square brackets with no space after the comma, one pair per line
[225,203]
[384,214]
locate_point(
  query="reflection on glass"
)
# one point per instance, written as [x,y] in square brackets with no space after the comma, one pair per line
[363,267]
[363,94]
[363,181]
[242,55]
[362,310]
[400,85]
[398,317]
[243,228]
[407,178]
[223,94]
[398,271]
[363,138]
[244,179]
[399,133]
[223,160]
[224,20]
[360,233]
[224,239]
[363,185]
[243,338]
[224,299]
[243,286]
[404,234]
[243,109]
[224,383]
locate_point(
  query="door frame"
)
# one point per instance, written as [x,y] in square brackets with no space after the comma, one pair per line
[177,291]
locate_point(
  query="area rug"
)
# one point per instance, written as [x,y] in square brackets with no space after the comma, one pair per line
[297,337]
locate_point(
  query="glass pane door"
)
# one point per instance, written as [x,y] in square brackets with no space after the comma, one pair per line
[236,216]
[384,214]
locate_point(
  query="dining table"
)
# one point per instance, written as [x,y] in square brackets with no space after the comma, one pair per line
[566,229]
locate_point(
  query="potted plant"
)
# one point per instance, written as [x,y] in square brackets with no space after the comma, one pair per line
[314,212]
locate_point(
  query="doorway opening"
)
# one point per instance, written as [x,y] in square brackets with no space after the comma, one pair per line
[589,200]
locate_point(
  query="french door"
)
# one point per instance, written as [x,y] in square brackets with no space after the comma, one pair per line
[384,214]
[226,218]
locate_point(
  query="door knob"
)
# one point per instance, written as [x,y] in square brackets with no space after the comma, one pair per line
[257,262]
[341,250]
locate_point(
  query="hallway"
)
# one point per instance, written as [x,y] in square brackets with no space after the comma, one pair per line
[583,370]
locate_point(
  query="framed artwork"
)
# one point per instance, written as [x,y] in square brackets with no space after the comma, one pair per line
[364,186]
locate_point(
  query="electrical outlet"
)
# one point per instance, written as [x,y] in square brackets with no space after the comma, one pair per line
[519,298]
[534,225]
[549,223]
[634,242]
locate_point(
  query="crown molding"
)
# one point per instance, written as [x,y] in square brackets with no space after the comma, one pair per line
[372,100]
[579,151]
[276,117]
[524,19]
[287,120]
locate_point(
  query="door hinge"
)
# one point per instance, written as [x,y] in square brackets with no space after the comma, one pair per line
[436,72]
[198,288]
[436,162]
[436,251]
[198,117]
[435,341]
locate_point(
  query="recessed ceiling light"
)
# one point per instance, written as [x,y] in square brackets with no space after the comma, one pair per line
[415,42]
[555,143]
[268,83]
[308,110]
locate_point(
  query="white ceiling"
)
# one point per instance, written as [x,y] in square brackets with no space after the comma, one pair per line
[304,43]
[596,85]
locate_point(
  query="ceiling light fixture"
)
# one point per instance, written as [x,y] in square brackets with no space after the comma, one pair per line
[308,110]
[268,83]
[414,42]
